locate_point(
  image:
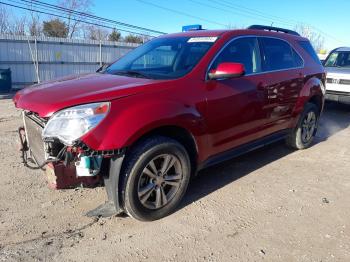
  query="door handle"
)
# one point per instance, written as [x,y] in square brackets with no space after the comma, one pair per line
[261,86]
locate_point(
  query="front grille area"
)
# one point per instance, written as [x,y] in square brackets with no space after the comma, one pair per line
[338,81]
[107,153]
[34,126]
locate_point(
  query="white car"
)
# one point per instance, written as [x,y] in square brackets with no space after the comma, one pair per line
[322,57]
[337,66]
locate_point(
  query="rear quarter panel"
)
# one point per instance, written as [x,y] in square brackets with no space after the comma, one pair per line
[314,81]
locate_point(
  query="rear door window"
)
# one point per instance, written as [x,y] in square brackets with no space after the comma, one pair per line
[278,55]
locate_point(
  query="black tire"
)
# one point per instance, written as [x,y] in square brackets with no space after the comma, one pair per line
[153,150]
[297,138]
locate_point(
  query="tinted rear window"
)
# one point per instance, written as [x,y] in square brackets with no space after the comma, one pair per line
[310,50]
[278,55]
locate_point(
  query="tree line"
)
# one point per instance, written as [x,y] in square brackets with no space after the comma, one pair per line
[34,24]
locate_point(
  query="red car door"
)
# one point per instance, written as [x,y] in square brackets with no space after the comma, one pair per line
[282,81]
[236,108]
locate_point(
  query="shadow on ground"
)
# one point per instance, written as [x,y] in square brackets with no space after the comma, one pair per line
[335,118]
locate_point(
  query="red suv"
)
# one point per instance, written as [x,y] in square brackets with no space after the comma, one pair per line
[173,106]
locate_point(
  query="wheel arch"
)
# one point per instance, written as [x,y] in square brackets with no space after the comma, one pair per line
[317,100]
[311,92]
[178,133]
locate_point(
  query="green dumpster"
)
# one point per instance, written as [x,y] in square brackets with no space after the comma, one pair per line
[5,80]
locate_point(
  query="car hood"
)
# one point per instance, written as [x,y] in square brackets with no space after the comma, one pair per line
[338,72]
[49,97]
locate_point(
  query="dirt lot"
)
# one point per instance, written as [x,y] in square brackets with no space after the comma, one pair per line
[273,205]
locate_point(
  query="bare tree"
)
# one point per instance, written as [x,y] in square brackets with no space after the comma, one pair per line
[75,27]
[10,24]
[34,22]
[316,39]
[19,25]
[96,33]
[4,20]
[34,25]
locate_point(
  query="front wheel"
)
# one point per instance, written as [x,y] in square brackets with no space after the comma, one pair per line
[155,178]
[303,134]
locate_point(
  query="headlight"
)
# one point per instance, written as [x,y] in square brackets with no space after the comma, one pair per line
[72,123]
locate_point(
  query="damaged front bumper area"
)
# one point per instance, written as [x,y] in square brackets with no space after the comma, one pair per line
[72,166]
[65,166]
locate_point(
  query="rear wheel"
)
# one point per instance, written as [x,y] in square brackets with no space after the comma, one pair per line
[303,134]
[155,178]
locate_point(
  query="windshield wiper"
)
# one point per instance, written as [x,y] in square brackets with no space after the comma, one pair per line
[131,73]
[102,68]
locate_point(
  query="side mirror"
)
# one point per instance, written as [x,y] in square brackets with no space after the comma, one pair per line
[227,70]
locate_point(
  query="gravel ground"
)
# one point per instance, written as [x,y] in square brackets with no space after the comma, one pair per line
[273,204]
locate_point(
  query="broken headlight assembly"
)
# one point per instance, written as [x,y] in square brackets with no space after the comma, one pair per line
[69,124]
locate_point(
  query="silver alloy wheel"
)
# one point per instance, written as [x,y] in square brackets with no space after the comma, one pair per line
[308,127]
[160,181]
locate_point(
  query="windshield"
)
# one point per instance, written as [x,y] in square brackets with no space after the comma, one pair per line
[163,58]
[338,59]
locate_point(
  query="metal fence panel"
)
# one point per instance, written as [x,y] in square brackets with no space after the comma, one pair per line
[56,57]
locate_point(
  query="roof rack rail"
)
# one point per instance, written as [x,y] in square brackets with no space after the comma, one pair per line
[271,28]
